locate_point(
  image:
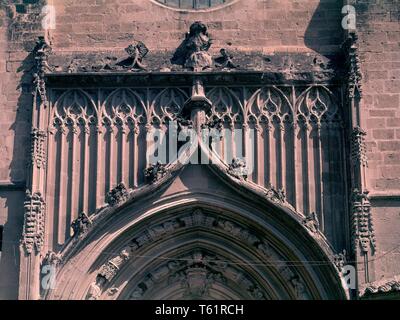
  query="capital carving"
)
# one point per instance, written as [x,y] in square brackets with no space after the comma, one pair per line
[34,222]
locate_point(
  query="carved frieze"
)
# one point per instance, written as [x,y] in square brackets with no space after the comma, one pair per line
[196,274]
[34,224]
[295,281]
[363,228]
[197,280]
[117,195]
[237,231]
[136,51]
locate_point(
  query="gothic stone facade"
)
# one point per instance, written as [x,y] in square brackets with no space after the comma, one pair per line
[318,110]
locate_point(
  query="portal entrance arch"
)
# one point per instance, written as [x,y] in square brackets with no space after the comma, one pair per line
[199,245]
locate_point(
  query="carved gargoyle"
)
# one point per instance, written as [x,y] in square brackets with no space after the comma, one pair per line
[238,168]
[117,195]
[155,172]
[192,53]
[224,61]
[81,225]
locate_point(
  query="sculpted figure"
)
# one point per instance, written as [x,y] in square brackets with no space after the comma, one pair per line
[192,53]
[95,289]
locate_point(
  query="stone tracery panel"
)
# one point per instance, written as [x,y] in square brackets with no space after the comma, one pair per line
[99,140]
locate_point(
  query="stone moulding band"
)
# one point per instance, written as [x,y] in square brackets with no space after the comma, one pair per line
[84,79]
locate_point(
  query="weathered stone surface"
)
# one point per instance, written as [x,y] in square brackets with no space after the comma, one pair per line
[255,44]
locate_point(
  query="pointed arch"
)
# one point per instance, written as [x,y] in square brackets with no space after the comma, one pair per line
[254,255]
[268,105]
[126,106]
[74,107]
[226,105]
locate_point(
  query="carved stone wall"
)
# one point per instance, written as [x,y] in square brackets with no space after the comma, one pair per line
[304,123]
